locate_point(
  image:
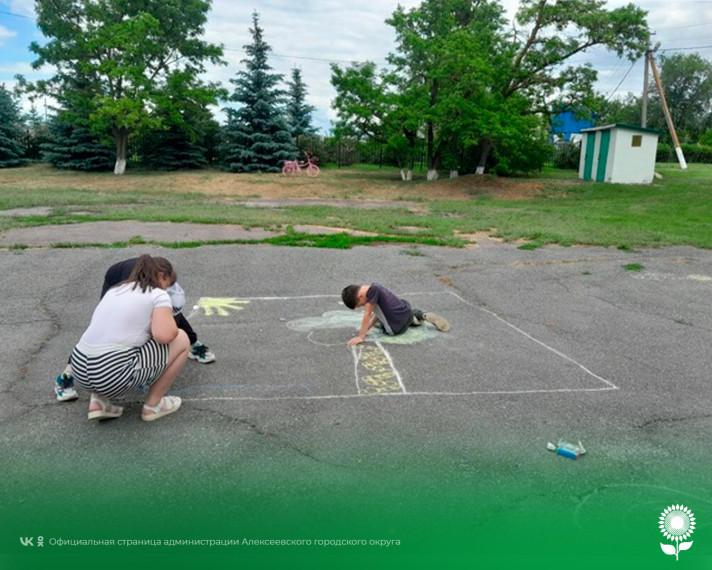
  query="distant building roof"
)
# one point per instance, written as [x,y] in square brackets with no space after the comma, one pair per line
[626,126]
[566,123]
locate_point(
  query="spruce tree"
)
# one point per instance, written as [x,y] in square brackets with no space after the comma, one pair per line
[36,134]
[184,144]
[11,150]
[257,137]
[173,149]
[72,146]
[298,112]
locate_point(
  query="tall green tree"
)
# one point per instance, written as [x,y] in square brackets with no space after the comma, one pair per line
[445,60]
[11,148]
[548,35]
[472,82]
[624,109]
[126,53]
[299,113]
[370,108]
[257,136]
[687,84]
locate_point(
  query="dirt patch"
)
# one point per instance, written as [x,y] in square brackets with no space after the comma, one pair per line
[360,204]
[333,185]
[498,188]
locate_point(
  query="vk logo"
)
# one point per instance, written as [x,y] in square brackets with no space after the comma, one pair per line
[27,541]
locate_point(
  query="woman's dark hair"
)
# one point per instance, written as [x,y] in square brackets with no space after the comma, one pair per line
[349,295]
[146,269]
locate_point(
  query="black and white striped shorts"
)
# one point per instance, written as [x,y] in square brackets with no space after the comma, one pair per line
[115,373]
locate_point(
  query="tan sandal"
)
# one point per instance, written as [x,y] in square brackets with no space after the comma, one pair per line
[107,411]
[167,405]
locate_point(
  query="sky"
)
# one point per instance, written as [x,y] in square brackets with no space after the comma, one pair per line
[312,34]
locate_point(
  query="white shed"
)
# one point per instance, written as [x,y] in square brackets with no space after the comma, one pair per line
[619,153]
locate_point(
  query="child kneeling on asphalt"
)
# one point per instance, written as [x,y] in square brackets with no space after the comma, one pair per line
[384,307]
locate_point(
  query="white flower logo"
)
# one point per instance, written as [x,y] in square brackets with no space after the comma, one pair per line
[677,523]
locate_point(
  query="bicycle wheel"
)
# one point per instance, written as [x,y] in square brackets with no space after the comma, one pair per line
[312,170]
[288,168]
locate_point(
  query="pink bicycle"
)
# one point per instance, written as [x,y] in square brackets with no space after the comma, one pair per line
[292,167]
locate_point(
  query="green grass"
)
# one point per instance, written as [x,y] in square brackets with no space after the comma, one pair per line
[676,210]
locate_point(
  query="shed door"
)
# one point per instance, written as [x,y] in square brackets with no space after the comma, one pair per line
[603,156]
[588,158]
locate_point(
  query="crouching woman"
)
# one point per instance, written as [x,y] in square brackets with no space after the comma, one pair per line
[132,342]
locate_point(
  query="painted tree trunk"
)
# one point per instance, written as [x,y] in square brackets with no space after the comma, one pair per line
[430,154]
[122,138]
[486,147]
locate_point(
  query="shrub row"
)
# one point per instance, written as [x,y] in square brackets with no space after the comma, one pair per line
[693,153]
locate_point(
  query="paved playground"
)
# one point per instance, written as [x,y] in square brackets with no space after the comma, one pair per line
[428,439]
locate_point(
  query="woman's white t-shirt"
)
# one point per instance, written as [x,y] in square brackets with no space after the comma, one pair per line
[122,319]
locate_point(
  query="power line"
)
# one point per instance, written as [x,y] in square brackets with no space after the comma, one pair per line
[17,15]
[622,80]
[705,23]
[325,59]
[687,48]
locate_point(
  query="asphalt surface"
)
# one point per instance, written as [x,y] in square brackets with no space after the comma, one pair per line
[292,433]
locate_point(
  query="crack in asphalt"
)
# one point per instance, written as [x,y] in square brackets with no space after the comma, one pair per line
[255,427]
[55,328]
[647,425]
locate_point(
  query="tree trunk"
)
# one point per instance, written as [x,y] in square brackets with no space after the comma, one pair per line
[454,174]
[122,138]
[432,174]
[430,150]
[406,174]
[486,147]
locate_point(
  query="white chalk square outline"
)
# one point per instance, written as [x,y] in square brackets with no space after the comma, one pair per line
[607,384]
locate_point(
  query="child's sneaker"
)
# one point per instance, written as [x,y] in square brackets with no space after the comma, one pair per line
[201,353]
[440,323]
[64,387]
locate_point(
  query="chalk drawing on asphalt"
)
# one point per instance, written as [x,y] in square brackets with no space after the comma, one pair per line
[374,370]
[221,306]
[342,324]
[372,375]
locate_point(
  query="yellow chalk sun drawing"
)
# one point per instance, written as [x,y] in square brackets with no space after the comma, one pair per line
[220,306]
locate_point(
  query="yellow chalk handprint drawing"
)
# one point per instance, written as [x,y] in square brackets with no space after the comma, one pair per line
[220,306]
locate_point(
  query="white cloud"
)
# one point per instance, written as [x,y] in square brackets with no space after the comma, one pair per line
[13,68]
[21,7]
[6,34]
[310,34]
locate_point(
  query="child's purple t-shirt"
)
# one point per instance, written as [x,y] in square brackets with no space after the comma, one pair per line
[393,312]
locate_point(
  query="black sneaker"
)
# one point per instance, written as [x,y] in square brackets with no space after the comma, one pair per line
[64,387]
[201,353]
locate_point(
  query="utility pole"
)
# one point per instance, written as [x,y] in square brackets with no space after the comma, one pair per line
[666,110]
[646,82]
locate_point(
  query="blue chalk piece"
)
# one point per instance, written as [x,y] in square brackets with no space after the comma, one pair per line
[570,451]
